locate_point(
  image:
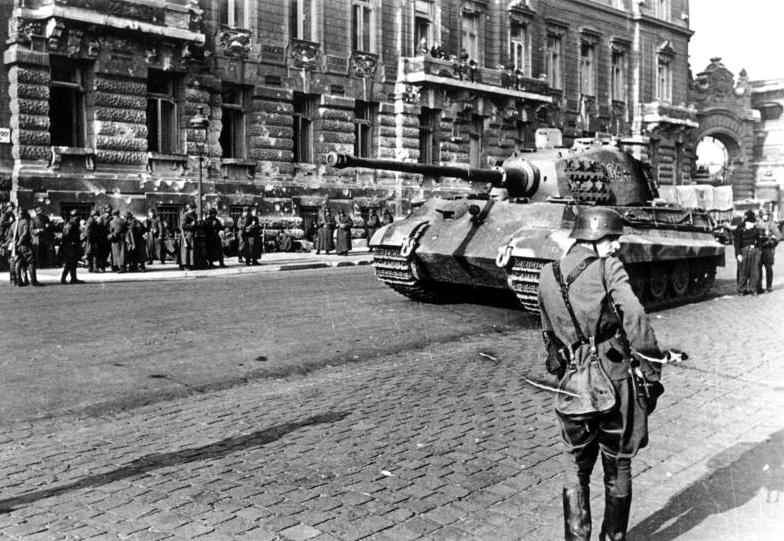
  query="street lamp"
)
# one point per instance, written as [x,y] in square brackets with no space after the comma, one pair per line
[201,124]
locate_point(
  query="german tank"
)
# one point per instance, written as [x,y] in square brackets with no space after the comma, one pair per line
[501,236]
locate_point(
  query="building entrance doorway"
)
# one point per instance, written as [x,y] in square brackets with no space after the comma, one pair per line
[713,162]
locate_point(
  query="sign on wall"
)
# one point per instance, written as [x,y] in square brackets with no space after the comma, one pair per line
[5,135]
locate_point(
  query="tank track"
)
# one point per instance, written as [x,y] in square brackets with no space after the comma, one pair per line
[523,278]
[396,271]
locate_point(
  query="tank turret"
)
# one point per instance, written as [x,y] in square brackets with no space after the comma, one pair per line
[447,245]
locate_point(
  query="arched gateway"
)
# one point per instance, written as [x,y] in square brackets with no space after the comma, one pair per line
[727,120]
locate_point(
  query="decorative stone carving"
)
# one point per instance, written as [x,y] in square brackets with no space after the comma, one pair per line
[364,64]
[151,54]
[54,34]
[23,30]
[236,43]
[74,42]
[411,94]
[196,16]
[714,85]
[150,13]
[303,54]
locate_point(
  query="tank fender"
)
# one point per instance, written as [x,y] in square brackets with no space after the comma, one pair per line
[540,244]
[399,233]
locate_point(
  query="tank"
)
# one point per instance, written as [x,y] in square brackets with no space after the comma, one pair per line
[520,216]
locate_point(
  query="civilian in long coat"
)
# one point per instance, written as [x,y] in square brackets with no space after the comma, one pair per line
[137,245]
[343,246]
[154,235]
[187,228]
[92,242]
[324,239]
[213,228]
[118,230]
[71,248]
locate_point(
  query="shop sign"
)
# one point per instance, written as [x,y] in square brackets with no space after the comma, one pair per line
[5,135]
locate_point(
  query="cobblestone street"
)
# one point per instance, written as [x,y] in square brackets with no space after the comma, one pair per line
[435,442]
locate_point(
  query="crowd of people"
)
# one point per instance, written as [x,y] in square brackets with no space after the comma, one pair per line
[112,241]
[755,240]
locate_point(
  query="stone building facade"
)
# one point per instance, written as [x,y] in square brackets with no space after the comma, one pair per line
[100,95]
[768,98]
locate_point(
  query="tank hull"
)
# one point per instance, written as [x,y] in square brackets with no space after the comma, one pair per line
[444,246]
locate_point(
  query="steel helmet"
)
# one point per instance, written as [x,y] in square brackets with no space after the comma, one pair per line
[593,223]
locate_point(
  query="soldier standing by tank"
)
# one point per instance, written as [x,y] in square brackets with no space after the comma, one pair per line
[599,279]
[118,229]
[71,248]
[746,241]
[769,239]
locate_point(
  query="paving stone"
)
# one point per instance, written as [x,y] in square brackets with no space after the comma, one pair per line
[300,532]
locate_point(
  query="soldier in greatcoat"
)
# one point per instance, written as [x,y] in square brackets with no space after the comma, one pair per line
[324,239]
[118,230]
[372,225]
[153,237]
[343,243]
[92,245]
[596,280]
[41,227]
[187,230]
[71,247]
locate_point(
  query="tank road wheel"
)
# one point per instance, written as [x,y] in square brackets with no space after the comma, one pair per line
[657,283]
[703,274]
[638,278]
[401,274]
[679,279]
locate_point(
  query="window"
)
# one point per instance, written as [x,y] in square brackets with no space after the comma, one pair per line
[304,111]
[161,113]
[66,104]
[477,137]
[661,9]
[171,215]
[618,75]
[235,211]
[364,116]
[423,27]
[469,37]
[232,136]
[235,13]
[518,47]
[303,19]
[587,69]
[429,124]
[363,26]
[552,61]
[663,79]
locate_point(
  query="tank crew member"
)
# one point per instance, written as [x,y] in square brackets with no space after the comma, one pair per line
[72,248]
[746,241]
[598,280]
[769,239]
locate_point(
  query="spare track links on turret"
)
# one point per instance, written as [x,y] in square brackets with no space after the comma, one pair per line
[588,181]
[396,271]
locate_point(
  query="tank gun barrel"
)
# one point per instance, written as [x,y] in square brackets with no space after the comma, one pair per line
[341,160]
[520,182]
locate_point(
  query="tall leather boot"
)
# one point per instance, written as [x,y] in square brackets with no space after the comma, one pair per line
[616,517]
[34,277]
[577,514]
[64,275]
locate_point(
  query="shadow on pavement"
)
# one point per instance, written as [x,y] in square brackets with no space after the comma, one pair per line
[738,474]
[155,461]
